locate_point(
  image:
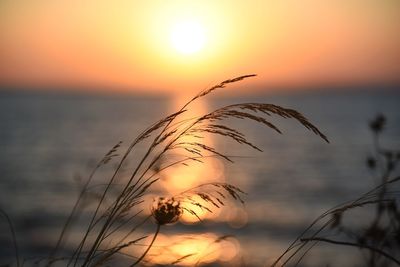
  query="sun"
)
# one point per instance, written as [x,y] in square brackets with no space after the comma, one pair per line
[188,37]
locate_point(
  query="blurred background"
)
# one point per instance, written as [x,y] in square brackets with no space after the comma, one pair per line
[76,77]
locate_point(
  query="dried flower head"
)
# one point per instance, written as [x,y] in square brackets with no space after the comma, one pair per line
[166,210]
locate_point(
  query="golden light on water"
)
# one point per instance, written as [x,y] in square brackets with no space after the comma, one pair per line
[193,249]
[183,177]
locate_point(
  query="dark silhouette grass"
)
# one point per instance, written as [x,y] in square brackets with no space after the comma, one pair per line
[117,209]
[379,238]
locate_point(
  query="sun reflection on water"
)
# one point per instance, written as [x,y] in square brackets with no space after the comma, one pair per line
[189,250]
[179,178]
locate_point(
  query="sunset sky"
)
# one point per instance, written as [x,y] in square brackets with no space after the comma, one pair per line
[179,45]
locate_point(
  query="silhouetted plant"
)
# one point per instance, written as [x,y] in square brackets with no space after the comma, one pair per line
[169,136]
[117,208]
[380,237]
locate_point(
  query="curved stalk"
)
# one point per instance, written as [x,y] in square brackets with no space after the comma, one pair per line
[149,247]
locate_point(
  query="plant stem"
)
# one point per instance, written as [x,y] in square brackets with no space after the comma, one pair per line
[383,253]
[71,215]
[14,239]
[148,248]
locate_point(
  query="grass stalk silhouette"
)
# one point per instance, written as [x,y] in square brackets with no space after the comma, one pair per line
[117,208]
[381,238]
[169,134]
[13,236]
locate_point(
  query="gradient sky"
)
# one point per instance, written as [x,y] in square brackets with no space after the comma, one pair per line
[124,44]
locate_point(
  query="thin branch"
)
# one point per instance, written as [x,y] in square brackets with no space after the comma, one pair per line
[383,253]
[149,247]
[13,236]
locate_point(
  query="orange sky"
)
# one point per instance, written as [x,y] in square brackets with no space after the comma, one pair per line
[124,44]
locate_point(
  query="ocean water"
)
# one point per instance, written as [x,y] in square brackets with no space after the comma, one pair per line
[48,141]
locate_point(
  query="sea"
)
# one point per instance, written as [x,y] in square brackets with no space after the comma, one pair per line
[50,142]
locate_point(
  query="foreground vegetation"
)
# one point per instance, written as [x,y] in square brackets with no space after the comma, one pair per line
[116,215]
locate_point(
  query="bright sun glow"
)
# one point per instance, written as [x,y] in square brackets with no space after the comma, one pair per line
[188,37]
